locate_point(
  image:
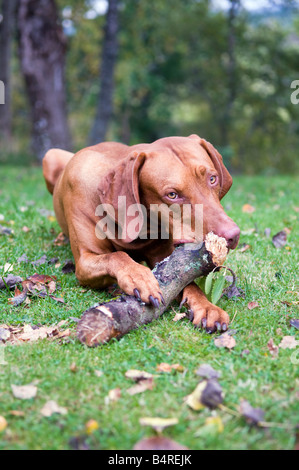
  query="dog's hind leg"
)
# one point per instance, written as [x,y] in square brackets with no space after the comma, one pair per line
[54,163]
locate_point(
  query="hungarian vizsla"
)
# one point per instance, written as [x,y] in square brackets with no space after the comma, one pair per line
[171,171]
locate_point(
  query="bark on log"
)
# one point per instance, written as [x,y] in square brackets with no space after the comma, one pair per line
[113,319]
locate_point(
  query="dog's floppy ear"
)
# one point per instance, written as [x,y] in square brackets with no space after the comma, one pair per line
[225,178]
[120,189]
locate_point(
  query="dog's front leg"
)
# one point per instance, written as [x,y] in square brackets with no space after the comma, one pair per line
[101,270]
[205,314]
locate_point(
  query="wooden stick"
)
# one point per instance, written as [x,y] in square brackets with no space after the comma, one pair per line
[113,319]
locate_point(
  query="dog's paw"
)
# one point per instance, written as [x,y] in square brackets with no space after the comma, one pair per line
[209,316]
[141,283]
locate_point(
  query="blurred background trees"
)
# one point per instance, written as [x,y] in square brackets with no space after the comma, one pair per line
[137,70]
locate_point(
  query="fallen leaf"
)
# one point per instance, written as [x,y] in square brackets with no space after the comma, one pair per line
[288,342]
[164,367]
[8,267]
[158,443]
[24,392]
[79,443]
[273,349]
[252,415]
[206,371]
[114,395]
[158,424]
[213,426]
[295,323]
[4,334]
[179,316]
[137,375]
[18,299]
[18,413]
[5,230]
[252,305]
[141,386]
[233,291]
[40,261]
[73,367]
[247,208]
[3,423]
[52,407]
[58,299]
[280,239]
[207,393]
[98,373]
[61,240]
[215,422]
[68,267]
[23,259]
[91,426]
[267,232]
[30,334]
[225,341]
[10,281]
[244,247]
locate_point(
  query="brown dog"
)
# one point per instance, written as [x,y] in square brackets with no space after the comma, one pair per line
[173,170]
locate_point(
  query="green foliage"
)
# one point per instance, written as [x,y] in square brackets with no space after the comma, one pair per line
[178,74]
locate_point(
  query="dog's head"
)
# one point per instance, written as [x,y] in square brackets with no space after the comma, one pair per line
[177,181]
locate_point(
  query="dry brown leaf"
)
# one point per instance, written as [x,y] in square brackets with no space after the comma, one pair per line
[24,392]
[252,305]
[158,443]
[273,349]
[30,334]
[288,342]
[61,240]
[18,413]
[52,407]
[114,395]
[141,386]
[158,424]
[137,375]
[225,341]
[280,239]
[244,247]
[164,367]
[247,208]
[3,423]
[179,316]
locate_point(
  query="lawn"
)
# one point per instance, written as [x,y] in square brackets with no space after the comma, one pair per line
[67,372]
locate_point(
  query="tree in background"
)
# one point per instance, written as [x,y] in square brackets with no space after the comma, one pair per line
[109,54]
[42,48]
[7,24]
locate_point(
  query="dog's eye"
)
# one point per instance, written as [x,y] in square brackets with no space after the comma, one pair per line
[213,179]
[172,195]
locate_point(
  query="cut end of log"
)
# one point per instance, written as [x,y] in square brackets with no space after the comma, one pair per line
[96,327]
[217,246]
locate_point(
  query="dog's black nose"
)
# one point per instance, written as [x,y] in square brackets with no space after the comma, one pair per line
[232,236]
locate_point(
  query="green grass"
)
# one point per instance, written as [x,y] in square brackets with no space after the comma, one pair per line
[267,275]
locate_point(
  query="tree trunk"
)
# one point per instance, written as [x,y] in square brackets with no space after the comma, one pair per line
[231,71]
[6,34]
[109,55]
[42,48]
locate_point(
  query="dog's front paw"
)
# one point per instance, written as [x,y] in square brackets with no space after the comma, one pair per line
[209,316]
[141,283]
